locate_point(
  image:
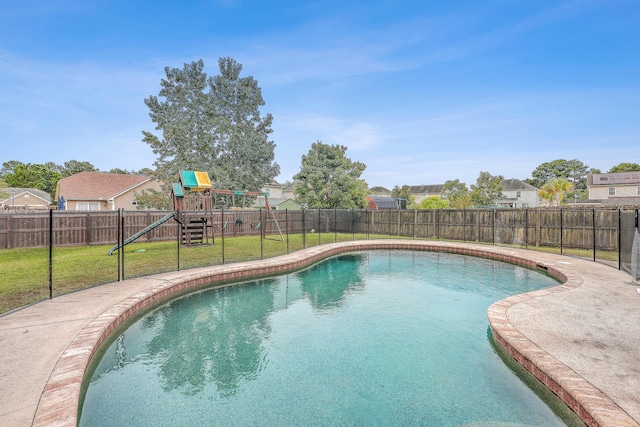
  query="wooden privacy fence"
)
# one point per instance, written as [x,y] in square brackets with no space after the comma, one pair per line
[77,228]
[571,228]
[567,227]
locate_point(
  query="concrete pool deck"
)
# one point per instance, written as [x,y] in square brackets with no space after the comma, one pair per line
[582,338]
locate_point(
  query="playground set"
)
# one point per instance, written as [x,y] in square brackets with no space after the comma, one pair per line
[193,203]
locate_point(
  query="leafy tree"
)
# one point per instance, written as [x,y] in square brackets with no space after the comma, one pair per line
[4,194]
[40,176]
[457,194]
[247,158]
[145,172]
[433,202]
[184,115]
[121,171]
[486,189]
[214,125]
[329,179]
[73,167]
[153,199]
[8,167]
[287,183]
[403,193]
[625,167]
[573,170]
[556,190]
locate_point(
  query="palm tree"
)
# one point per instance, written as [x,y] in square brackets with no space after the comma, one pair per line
[555,190]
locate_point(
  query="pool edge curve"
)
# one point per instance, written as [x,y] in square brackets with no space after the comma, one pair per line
[58,404]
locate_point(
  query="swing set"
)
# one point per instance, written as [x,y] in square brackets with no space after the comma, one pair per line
[189,207]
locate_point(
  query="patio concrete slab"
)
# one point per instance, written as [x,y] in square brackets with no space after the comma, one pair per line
[585,335]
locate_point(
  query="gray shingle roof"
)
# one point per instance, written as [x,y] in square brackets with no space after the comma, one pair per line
[426,189]
[379,191]
[516,184]
[18,191]
[385,202]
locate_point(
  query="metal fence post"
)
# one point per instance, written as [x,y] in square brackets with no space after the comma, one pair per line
[319,213]
[353,228]
[122,243]
[464,225]
[415,222]
[493,228]
[593,225]
[178,238]
[304,232]
[118,233]
[526,228]
[222,232]
[262,226]
[619,239]
[50,253]
[286,223]
[561,231]
[368,213]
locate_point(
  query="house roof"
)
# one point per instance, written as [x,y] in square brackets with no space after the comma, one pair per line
[385,202]
[273,183]
[616,178]
[516,184]
[426,189]
[17,192]
[614,201]
[97,185]
[273,201]
[379,191]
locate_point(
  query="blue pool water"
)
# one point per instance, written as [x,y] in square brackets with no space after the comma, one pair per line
[376,338]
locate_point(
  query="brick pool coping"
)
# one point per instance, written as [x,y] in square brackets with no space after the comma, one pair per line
[58,405]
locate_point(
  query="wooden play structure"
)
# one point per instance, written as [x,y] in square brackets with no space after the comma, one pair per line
[194,210]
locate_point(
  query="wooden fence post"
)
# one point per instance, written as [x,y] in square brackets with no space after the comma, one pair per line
[538,231]
[87,227]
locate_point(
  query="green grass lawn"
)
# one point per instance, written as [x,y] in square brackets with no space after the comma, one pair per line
[24,273]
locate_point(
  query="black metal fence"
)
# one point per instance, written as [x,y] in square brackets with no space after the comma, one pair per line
[47,254]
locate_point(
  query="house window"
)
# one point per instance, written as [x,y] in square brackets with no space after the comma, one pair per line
[88,206]
[612,191]
[638,190]
[518,194]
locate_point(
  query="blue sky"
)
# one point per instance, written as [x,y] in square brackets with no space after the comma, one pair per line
[420,91]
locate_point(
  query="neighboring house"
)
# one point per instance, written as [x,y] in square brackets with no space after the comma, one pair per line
[518,194]
[614,189]
[376,203]
[274,189]
[289,191]
[277,203]
[280,197]
[421,192]
[99,191]
[379,192]
[24,199]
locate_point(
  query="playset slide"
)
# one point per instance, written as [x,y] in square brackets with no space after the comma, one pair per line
[142,232]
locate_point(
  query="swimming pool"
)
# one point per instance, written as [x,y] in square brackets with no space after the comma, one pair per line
[375,338]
